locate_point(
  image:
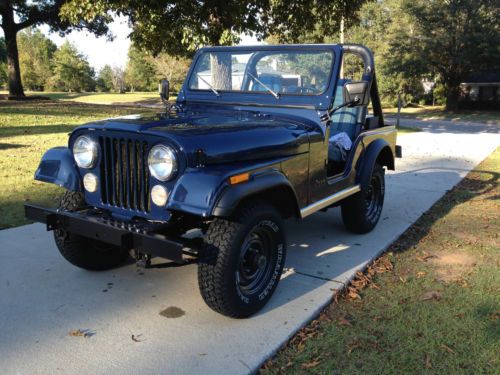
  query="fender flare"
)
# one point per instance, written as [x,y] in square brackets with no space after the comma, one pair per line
[58,167]
[378,150]
[231,196]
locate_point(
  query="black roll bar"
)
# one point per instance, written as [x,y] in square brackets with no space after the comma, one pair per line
[368,75]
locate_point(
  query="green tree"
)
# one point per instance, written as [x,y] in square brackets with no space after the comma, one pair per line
[381,25]
[180,27]
[139,72]
[104,81]
[35,58]
[72,71]
[17,15]
[173,68]
[118,79]
[449,39]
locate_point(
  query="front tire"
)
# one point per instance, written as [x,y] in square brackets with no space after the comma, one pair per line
[361,211]
[84,252]
[241,261]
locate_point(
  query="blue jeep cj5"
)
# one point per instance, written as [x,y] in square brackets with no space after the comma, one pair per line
[257,134]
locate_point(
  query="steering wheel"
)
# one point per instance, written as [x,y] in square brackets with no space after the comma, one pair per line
[308,90]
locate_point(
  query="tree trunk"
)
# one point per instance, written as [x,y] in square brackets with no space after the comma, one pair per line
[221,70]
[452,94]
[10,33]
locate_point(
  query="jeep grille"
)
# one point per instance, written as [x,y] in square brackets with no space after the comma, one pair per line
[125,173]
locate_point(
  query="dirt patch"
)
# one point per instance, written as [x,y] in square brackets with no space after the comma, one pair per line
[451,266]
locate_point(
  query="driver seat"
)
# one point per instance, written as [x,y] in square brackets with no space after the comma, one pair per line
[345,119]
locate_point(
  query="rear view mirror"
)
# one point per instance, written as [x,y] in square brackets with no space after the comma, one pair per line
[163,90]
[357,93]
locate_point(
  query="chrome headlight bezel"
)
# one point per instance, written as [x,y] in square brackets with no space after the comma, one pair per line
[85,152]
[162,156]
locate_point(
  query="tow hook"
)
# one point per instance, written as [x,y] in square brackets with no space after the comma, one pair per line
[142,260]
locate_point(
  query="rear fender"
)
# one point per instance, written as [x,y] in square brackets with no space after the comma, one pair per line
[58,167]
[378,151]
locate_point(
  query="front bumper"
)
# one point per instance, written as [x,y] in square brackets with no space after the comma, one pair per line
[116,233]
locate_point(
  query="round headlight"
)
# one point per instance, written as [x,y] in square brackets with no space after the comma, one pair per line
[85,152]
[162,162]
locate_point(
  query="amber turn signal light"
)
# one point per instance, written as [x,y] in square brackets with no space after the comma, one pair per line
[239,178]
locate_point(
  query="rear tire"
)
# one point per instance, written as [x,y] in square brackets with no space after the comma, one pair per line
[241,261]
[84,252]
[361,211]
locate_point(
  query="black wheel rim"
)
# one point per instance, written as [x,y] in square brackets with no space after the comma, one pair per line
[373,198]
[256,258]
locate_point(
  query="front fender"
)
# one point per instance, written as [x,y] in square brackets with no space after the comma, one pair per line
[206,192]
[263,182]
[58,167]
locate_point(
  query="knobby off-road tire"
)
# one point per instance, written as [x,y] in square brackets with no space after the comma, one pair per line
[84,252]
[361,211]
[241,261]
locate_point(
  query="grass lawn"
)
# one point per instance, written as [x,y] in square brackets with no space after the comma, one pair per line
[430,305]
[101,97]
[438,113]
[407,129]
[27,130]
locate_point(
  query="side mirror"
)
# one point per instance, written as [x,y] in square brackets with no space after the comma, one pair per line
[357,93]
[163,90]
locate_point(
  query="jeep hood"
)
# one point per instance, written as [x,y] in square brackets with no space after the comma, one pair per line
[220,138]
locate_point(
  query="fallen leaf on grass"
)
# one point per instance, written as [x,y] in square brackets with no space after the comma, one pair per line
[81,333]
[426,257]
[447,348]
[495,315]
[431,295]
[428,363]
[352,346]
[137,338]
[311,364]
[344,322]
[353,293]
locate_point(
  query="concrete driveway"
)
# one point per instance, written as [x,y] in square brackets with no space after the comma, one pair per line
[43,298]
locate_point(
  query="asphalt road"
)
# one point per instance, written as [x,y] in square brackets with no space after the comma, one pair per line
[43,298]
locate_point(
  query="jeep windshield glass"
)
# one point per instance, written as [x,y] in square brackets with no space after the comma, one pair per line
[266,72]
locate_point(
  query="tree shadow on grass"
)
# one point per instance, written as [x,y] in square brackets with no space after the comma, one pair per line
[7,146]
[467,189]
[13,131]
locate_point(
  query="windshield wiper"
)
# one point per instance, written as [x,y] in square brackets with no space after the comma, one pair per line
[275,94]
[210,86]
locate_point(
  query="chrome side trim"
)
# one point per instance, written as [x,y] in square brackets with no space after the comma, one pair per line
[325,202]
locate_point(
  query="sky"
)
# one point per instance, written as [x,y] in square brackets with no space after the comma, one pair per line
[100,51]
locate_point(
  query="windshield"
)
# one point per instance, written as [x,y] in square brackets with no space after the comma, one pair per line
[268,72]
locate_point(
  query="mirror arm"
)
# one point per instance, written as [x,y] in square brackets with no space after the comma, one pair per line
[331,111]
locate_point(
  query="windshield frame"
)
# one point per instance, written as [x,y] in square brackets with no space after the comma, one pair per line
[263,98]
